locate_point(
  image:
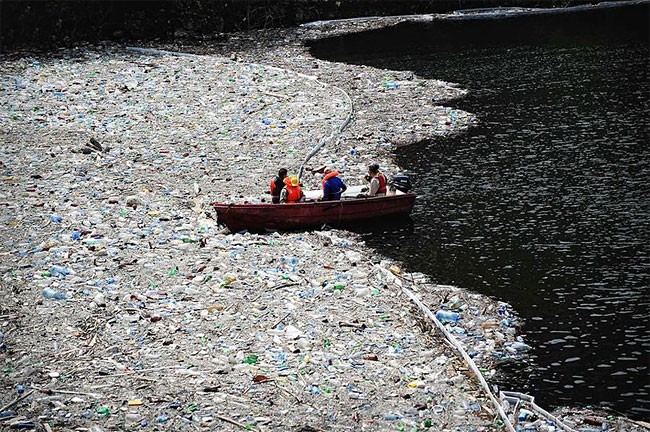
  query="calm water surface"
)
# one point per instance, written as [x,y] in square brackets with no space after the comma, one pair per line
[546,205]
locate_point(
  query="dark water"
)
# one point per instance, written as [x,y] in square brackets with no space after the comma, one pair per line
[546,205]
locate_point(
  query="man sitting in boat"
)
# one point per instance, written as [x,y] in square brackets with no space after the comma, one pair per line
[333,186]
[291,193]
[377,181]
[277,184]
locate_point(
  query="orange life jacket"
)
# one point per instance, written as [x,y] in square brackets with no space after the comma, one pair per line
[382,183]
[276,188]
[293,192]
[329,175]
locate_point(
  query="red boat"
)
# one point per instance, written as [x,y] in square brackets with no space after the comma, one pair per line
[313,214]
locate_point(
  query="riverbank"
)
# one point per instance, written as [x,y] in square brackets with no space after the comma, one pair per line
[169,321]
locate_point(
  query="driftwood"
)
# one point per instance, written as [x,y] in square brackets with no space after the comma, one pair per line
[10,404]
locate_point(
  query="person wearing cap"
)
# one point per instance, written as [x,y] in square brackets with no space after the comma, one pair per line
[291,193]
[377,181]
[277,184]
[333,186]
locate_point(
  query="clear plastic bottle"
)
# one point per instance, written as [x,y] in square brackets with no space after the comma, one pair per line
[60,271]
[289,260]
[447,316]
[53,294]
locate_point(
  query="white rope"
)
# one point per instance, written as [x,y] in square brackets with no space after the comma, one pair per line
[336,132]
[503,395]
[454,342]
[530,401]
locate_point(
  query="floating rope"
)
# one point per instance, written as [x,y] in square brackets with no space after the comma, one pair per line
[454,342]
[506,396]
[519,398]
[337,132]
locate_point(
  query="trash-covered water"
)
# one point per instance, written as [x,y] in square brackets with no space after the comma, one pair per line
[545,204]
[109,160]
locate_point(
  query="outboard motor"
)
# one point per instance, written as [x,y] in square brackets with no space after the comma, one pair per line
[401,182]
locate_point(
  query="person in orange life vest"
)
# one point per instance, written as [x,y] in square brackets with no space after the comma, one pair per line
[277,184]
[377,181]
[333,186]
[291,192]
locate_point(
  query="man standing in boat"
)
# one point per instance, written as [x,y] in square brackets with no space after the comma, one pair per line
[377,181]
[333,186]
[277,184]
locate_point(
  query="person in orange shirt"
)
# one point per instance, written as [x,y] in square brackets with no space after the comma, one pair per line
[291,193]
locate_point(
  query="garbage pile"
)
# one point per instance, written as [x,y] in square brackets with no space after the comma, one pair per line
[127,306]
[268,332]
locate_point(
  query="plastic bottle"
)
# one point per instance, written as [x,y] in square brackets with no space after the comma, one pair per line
[524,414]
[519,346]
[292,261]
[103,410]
[457,330]
[7,414]
[53,294]
[447,316]
[23,425]
[59,271]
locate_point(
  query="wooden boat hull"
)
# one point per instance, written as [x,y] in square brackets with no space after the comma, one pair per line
[285,217]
